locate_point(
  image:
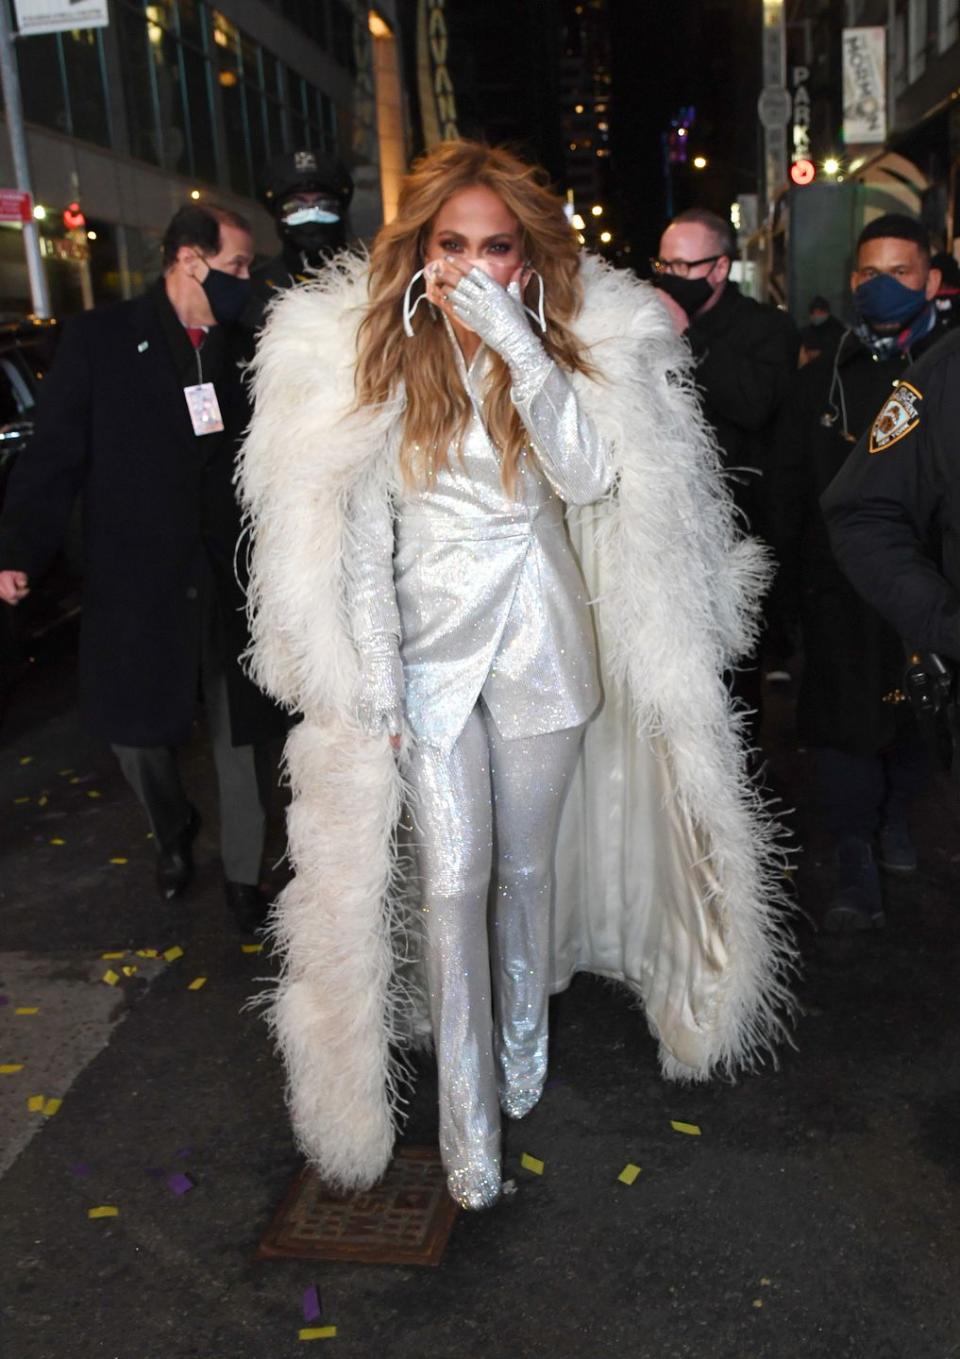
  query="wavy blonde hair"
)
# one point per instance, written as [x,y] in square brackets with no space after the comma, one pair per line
[437,407]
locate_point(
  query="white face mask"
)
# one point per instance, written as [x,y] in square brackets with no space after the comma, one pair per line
[513,289]
[304,216]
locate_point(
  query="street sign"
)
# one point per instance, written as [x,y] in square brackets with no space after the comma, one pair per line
[59,16]
[15,206]
[773,107]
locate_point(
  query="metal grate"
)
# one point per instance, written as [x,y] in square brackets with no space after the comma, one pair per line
[405,1219]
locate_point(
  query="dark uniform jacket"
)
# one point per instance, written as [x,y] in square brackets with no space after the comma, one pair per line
[893,510]
[161,521]
[746,355]
[853,660]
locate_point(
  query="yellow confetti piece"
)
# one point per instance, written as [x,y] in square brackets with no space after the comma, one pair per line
[171,954]
[26,759]
[51,1107]
[64,772]
[146,952]
[130,970]
[758,1302]
[105,1210]
[628,1174]
[532,1164]
[27,1010]
[690,1129]
[110,977]
[75,780]
[119,860]
[42,801]
[251,948]
[35,1104]
[317,1332]
[117,953]
[19,801]
[10,1068]
[197,983]
[92,792]
[57,841]
[765,1283]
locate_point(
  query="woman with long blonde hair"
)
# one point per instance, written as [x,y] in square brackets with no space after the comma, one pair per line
[423,423]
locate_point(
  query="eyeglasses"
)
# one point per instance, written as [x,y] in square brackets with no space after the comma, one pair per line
[681,267]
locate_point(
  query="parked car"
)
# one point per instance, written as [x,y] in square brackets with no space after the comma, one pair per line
[26,351]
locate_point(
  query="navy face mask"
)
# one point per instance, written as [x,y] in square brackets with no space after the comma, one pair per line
[227,295]
[884,302]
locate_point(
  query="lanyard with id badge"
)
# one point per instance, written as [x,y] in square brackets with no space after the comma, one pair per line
[203,405]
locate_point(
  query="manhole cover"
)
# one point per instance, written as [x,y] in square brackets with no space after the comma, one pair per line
[403,1220]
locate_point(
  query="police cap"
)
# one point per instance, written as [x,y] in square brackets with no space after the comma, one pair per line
[304,171]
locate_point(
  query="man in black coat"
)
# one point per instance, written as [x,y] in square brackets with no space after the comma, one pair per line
[141,413]
[869,760]
[746,355]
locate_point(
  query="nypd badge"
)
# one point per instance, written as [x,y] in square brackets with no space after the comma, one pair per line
[899,415]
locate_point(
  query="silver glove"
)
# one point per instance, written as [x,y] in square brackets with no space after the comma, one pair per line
[498,317]
[378,698]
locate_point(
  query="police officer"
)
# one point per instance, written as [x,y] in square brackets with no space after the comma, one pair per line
[307,193]
[868,759]
[893,511]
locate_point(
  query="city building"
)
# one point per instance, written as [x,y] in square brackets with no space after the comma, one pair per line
[181,99]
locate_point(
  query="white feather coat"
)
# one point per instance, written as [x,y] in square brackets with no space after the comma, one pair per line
[678,894]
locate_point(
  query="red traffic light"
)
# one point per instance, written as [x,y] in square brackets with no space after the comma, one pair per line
[73,217]
[803,172]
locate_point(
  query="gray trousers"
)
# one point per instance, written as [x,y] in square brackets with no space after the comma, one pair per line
[154,775]
[486,817]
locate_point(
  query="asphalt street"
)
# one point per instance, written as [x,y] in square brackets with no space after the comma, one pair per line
[816,1216]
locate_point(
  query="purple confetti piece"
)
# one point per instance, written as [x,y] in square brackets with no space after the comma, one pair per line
[81,1169]
[179,1183]
[311,1304]
[4,1000]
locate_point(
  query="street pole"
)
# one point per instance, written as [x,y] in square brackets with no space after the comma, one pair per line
[13,106]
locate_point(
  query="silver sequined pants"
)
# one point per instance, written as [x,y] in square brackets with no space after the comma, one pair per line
[486,818]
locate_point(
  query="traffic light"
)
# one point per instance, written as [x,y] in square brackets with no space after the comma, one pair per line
[73,218]
[803,172]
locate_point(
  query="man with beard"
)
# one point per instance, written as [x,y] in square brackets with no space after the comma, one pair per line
[746,353]
[868,758]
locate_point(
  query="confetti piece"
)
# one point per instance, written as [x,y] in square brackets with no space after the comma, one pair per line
[146,952]
[92,792]
[51,1107]
[42,801]
[105,1210]
[764,1283]
[75,780]
[117,953]
[81,1170]
[311,1303]
[628,1174]
[318,1332]
[26,759]
[758,1302]
[149,835]
[57,841]
[10,1068]
[4,1000]
[171,954]
[64,772]
[197,983]
[130,970]
[27,1010]
[110,977]
[179,1183]
[35,1104]
[690,1129]
[532,1164]
[19,801]
[251,948]
[119,860]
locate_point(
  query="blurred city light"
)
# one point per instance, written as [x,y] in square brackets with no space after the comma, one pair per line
[194,194]
[699,162]
[597,210]
[606,237]
[831,166]
[40,212]
[578,222]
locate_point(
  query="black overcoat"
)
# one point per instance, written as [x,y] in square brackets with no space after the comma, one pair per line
[853,659]
[160,517]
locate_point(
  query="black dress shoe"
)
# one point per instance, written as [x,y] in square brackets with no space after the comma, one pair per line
[175,862]
[247,904]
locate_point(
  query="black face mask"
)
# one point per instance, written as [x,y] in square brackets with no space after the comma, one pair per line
[312,242]
[691,293]
[227,295]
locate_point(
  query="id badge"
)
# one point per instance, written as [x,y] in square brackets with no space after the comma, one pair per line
[204,408]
